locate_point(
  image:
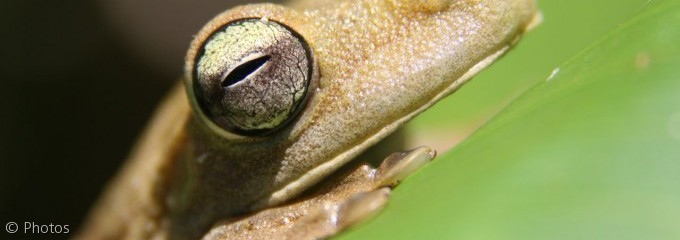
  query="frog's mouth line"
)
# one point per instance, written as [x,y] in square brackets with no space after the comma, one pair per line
[315,175]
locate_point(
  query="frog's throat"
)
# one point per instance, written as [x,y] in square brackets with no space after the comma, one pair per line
[315,175]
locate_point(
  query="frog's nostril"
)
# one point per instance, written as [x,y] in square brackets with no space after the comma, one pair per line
[242,71]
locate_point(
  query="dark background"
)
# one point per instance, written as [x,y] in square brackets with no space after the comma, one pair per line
[79,81]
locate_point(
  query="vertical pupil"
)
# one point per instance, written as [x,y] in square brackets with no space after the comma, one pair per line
[241,72]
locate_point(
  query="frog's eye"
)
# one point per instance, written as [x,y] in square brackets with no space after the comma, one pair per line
[252,76]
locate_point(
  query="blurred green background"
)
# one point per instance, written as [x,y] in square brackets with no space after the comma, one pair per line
[592,153]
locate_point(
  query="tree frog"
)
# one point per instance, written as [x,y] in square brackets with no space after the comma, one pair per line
[277,102]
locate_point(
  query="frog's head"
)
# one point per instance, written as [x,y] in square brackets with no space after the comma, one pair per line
[284,97]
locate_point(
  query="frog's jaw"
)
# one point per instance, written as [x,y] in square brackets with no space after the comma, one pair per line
[317,174]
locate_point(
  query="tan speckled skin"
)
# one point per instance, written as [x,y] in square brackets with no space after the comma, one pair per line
[380,62]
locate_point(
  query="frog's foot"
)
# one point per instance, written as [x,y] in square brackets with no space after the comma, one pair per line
[329,219]
[352,195]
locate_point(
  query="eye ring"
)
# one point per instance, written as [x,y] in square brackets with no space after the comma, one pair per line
[252,76]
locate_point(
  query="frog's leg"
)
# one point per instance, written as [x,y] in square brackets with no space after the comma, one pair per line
[350,196]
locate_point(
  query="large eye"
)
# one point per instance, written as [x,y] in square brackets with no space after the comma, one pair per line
[252,76]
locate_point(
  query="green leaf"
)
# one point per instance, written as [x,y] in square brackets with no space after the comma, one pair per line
[591,152]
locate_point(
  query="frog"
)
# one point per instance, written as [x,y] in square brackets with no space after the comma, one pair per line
[264,135]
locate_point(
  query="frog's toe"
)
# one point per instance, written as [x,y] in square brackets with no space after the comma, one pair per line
[398,165]
[361,206]
[331,218]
